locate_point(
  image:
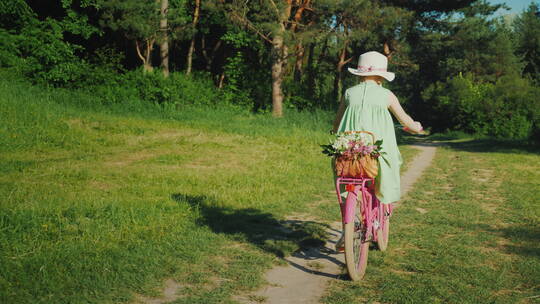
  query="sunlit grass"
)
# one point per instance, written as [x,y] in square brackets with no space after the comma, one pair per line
[99,202]
[468,233]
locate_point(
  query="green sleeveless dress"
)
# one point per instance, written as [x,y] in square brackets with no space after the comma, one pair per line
[367,110]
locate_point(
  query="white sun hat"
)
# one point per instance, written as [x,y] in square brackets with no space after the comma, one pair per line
[373,63]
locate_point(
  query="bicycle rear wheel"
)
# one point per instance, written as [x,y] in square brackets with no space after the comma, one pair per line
[356,242]
[384,230]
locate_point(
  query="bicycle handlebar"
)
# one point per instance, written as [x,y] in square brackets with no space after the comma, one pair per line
[421,132]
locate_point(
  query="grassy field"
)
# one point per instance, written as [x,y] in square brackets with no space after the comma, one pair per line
[468,233]
[103,203]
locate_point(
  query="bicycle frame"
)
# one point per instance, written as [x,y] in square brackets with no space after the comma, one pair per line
[371,207]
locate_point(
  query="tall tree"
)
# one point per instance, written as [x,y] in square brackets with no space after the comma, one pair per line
[280,51]
[470,41]
[430,7]
[273,21]
[146,23]
[196,12]
[164,45]
[527,31]
[360,26]
[300,50]
[213,25]
[138,21]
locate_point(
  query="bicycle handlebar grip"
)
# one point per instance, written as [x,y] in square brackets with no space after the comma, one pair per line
[406,129]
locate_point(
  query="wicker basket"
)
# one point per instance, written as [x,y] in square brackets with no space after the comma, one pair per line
[357,167]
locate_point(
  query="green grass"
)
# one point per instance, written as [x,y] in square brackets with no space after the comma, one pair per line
[102,202]
[468,233]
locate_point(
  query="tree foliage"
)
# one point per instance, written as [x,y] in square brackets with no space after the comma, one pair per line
[527,29]
[453,59]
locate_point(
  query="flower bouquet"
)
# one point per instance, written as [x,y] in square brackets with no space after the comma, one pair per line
[355,156]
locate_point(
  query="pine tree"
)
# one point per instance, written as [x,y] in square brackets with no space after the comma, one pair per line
[527,31]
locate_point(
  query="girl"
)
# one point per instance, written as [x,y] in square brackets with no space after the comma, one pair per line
[365,108]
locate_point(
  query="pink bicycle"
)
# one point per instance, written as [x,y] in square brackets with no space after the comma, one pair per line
[365,219]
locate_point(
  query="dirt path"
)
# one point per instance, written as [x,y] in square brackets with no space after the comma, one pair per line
[417,166]
[305,278]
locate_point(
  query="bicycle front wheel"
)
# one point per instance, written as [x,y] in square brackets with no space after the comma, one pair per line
[356,242]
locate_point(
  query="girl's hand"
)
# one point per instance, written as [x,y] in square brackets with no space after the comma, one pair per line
[419,126]
[418,129]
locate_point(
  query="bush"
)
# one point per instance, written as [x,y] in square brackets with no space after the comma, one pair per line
[9,54]
[176,89]
[39,52]
[505,109]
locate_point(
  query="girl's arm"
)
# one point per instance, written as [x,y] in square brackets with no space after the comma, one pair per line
[402,117]
[339,116]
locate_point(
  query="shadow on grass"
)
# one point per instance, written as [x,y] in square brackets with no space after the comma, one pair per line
[521,239]
[525,240]
[495,146]
[458,140]
[475,145]
[281,238]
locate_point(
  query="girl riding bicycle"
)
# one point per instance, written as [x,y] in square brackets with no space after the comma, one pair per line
[366,108]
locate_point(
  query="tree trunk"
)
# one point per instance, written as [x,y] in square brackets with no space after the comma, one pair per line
[388,51]
[338,85]
[310,71]
[146,58]
[190,56]
[164,46]
[338,80]
[221,80]
[192,45]
[147,67]
[209,57]
[299,63]
[279,57]
[279,53]
[299,47]
[149,48]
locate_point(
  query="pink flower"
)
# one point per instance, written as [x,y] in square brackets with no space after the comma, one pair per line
[369,149]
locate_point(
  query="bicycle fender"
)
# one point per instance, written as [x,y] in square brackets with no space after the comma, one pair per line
[350,204]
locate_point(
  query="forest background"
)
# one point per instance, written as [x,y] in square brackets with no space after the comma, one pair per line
[459,68]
